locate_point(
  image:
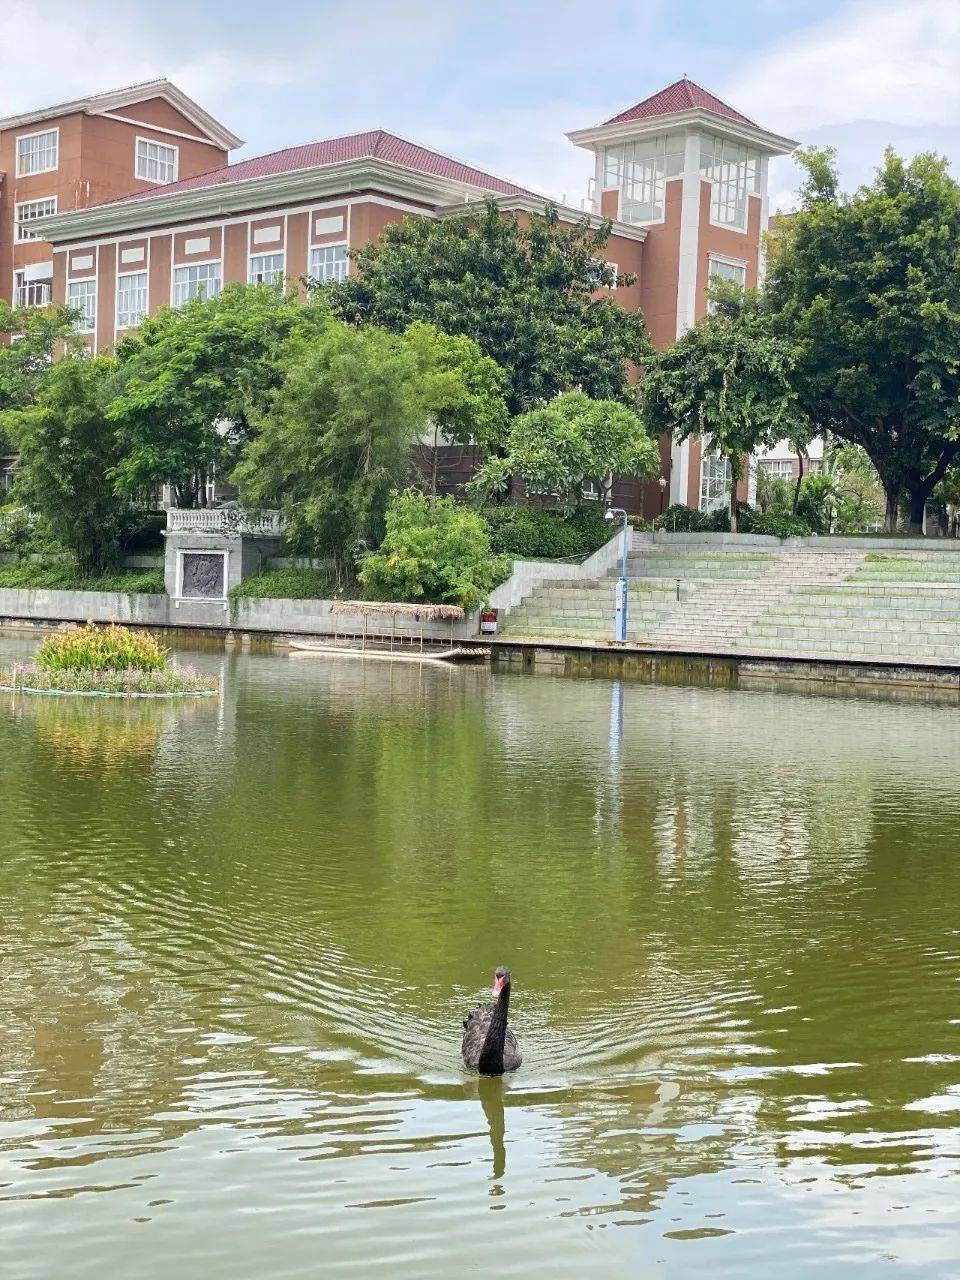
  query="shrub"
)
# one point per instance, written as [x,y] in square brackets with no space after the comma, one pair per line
[286,584]
[778,524]
[168,680]
[683,519]
[530,533]
[64,577]
[95,648]
[26,532]
[142,531]
[435,550]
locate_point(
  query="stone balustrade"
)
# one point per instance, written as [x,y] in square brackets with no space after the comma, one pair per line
[225,522]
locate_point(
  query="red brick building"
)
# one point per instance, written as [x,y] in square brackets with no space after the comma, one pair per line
[682,176]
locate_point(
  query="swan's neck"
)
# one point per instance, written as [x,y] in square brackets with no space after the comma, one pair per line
[491,1055]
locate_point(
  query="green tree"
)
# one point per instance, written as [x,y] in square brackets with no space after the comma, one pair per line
[463,393]
[860,496]
[555,448]
[729,380]
[69,452]
[25,361]
[526,294]
[193,379]
[434,550]
[868,288]
[337,438]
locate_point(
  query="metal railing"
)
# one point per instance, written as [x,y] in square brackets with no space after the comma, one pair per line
[228,522]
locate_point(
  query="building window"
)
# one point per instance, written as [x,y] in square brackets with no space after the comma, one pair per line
[734,171]
[266,268]
[82,297]
[329,262]
[156,162]
[782,467]
[202,281]
[31,293]
[726,269]
[639,170]
[714,480]
[37,152]
[131,299]
[28,212]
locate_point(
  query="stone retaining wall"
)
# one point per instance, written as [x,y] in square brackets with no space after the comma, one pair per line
[275,617]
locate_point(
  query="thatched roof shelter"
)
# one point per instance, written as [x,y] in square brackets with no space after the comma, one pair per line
[421,612]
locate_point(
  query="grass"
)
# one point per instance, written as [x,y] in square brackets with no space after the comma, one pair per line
[286,584]
[166,681]
[64,577]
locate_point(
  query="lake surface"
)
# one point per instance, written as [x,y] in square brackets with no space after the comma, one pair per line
[237,939]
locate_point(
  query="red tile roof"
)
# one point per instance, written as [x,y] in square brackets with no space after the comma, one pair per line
[683,95]
[375,144]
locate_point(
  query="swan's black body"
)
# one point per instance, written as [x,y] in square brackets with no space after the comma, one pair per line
[489,1046]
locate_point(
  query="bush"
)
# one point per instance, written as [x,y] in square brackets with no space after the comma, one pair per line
[778,524]
[683,519]
[530,533]
[142,531]
[95,648]
[30,575]
[286,584]
[27,533]
[166,681]
[435,550]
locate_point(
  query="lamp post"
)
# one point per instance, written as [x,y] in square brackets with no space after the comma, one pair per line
[620,614]
[662,482]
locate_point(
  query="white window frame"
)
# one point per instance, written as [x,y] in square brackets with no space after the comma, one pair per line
[127,275]
[18,236]
[714,491]
[722,178]
[720,259]
[781,468]
[318,248]
[188,266]
[38,133]
[640,172]
[153,142]
[43,289]
[275,273]
[89,322]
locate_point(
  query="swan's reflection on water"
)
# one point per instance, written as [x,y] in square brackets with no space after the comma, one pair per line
[491,1089]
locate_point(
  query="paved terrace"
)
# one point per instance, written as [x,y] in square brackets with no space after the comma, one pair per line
[861,600]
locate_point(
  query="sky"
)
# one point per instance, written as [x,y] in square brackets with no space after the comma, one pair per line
[497,83]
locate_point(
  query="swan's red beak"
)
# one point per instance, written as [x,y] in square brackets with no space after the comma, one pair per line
[497,986]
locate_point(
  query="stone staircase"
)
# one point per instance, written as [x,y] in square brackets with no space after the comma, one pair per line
[826,599]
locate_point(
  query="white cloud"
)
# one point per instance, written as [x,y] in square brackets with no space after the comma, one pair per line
[871,61]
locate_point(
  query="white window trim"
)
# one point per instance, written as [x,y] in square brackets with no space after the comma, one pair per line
[17,238]
[274,253]
[18,271]
[36,133]
[326,244]
[178,266]
[121,275]
[157,143]
[727,261]
[96,299]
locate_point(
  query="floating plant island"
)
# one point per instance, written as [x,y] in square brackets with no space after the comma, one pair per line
[105,662]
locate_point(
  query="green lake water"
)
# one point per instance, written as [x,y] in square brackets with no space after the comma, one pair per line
[238,936]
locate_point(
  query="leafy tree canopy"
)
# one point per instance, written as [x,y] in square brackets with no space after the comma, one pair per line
[729,379]
[337,437]
[68,453]
[868,288]
[434,550]
[192,380]
[25,361]
[526,294]
[554,448]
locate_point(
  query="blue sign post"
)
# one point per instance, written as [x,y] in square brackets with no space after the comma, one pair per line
[620,614]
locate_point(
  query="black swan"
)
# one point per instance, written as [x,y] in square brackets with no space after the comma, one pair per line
[489,1046]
